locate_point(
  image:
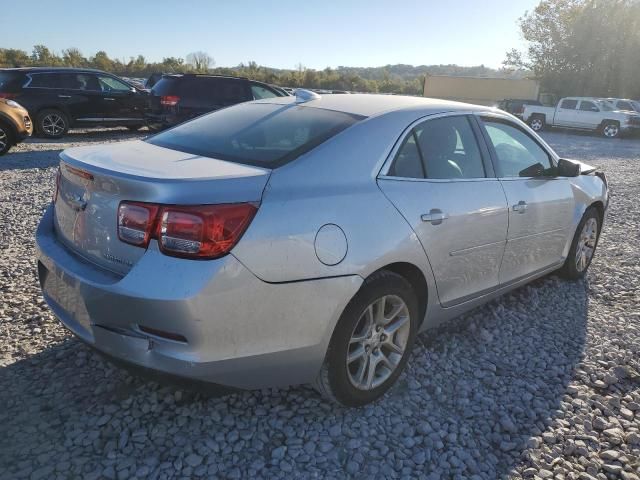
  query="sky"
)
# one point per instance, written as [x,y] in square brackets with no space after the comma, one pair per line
[280,34]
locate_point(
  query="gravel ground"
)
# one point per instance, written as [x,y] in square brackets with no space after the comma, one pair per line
[541,383]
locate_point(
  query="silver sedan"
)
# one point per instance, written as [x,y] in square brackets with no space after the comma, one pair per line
[308,239]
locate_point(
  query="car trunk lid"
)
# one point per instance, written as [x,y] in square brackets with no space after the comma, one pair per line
[94,180]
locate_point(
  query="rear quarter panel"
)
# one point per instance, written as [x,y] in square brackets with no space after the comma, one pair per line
[333,184]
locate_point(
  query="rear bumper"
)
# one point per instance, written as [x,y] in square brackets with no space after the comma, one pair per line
[240,331]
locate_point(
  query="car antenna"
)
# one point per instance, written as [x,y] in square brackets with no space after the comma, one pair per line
[303,95]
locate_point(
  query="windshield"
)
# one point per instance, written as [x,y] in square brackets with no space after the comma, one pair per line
[260,134]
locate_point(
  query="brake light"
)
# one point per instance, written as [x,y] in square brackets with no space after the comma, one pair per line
[199,231]
[8,95]
[169,100]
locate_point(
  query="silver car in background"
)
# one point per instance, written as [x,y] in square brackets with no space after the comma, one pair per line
[307,239]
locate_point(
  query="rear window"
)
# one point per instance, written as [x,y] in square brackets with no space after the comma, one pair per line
[165,86]
[260,134]
[11,81]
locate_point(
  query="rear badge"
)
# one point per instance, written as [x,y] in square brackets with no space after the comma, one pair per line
[117,260]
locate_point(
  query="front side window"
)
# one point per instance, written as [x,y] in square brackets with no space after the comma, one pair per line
[259,92]
[625,106]
[569,104]
[110,84]
[517,153]
[266,135]
[587,106]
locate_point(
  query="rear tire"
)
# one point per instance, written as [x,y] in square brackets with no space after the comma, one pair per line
[52,123]
[537,123]
[372,341]
[6,138]
[583,246]
[610,129]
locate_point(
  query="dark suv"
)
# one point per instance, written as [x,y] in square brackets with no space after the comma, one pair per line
[60,98]
[177,98]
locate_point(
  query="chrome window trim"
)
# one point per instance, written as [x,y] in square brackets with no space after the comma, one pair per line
[386,166]
[30,78]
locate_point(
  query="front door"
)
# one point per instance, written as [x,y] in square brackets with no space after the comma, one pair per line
[121,103]
[566,114]
[590,116]
[442,182]
[541,205]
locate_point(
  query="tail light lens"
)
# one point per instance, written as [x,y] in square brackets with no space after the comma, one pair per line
[201,231]
[169,100]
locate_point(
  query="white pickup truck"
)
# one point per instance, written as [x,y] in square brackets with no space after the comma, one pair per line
[585,113]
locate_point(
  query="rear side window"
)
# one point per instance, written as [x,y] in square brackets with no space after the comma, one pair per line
[265,135]
[45,80]
[442,148]
[11,81]
[569,104]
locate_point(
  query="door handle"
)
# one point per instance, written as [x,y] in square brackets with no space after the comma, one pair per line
[109,99]
[435,216]
[64,96]
[520,207]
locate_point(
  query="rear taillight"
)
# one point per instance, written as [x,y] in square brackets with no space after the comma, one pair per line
[136,222]
[8,95]
[199,231]
[169,100]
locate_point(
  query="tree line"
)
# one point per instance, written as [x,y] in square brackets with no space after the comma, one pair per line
[405,79]
[582,47]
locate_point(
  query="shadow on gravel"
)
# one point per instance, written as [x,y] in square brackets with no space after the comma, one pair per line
[473,396]
[29,160]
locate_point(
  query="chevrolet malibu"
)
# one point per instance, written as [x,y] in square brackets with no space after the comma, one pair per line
[307,239]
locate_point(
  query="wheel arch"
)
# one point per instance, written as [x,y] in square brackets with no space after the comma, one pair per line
[416,279]
[6,121]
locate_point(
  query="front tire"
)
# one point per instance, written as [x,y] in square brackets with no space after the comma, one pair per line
[372,341]
[6,139]
[610,129]
[583,246]
[52,123]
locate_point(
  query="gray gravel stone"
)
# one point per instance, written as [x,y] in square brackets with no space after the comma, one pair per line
[543,379]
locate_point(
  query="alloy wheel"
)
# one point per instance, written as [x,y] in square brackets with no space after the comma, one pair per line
[611,130]
[4,139]
[378,342]
[53,124]
[586,244]
[536,124]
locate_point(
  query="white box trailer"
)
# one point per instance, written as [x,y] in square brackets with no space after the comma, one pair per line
[480,90]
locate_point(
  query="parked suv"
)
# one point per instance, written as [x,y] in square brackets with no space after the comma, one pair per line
[15,124]
[179,97]
[60,98]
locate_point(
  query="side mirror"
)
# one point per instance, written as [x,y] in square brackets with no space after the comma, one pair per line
[567,168]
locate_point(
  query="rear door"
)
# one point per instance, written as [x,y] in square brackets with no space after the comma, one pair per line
[566,114]
[442,182]
[540,205]
[82,96]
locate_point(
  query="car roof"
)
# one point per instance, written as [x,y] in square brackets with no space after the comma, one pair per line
[52,69]
[368,105]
